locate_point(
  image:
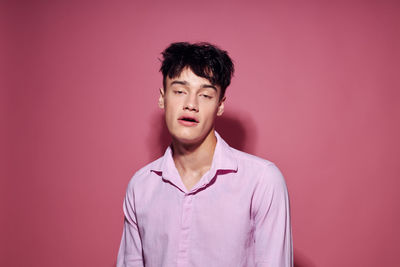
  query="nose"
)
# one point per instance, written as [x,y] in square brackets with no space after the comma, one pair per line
[191,104]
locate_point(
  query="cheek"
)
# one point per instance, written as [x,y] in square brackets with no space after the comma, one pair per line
[168,113]
[172,102]
[211,107]
[210,112]
[171,110]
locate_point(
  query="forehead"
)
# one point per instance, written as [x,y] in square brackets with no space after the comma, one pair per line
[190,79]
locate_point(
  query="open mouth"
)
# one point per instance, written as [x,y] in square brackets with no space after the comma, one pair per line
[188,119]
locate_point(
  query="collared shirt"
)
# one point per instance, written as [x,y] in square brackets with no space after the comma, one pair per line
[236,215]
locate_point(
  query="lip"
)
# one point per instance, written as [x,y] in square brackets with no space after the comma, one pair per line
[185,120]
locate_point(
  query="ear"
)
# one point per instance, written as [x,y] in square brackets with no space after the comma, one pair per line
[161,99]
[221,107]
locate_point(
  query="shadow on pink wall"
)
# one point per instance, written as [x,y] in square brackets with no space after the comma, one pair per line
[300,260]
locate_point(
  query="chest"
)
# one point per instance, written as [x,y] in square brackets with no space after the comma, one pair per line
[190,180]
[217,217]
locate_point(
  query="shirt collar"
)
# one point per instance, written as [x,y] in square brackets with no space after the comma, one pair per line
[223,160]
[223,156]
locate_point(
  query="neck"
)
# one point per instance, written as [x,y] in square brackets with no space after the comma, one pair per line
[194,158]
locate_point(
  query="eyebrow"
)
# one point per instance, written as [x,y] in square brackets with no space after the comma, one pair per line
[202,86]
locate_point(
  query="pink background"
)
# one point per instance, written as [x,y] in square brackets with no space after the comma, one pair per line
[316,91]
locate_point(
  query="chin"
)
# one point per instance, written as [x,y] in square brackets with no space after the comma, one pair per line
[190,137]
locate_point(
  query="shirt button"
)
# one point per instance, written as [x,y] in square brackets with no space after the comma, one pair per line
[187,199]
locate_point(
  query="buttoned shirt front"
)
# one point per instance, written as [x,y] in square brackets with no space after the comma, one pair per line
[236,215]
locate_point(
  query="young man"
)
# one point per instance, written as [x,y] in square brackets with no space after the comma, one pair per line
[203,203]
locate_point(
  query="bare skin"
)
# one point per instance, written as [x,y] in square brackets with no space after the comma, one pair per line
[193,161]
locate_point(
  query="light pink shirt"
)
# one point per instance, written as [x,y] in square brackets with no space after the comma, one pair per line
[236,215]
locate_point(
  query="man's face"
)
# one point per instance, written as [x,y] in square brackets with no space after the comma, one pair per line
[191,104]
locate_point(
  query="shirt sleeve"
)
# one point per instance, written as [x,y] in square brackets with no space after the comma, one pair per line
[272,233]
[130,250]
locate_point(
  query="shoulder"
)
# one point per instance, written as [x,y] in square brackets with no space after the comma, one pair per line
[263,170]
[144,173]
[268,185]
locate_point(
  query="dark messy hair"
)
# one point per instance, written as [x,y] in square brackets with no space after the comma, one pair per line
[204,59]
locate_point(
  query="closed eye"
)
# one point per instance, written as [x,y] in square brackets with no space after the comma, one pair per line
[178,92]
[206,96]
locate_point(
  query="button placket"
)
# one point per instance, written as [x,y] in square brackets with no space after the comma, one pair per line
[186,218]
